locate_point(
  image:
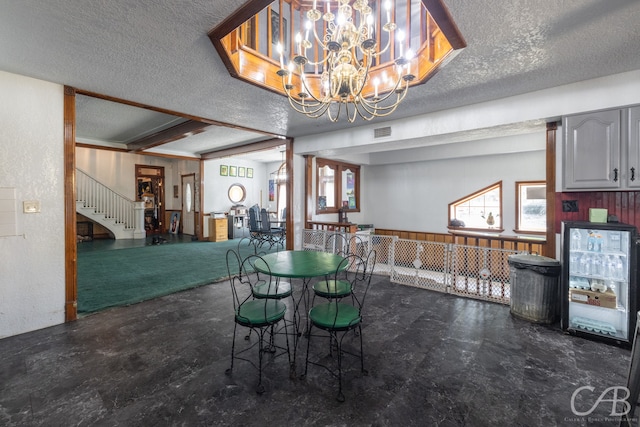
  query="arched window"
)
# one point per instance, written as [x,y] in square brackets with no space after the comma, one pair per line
[481,210]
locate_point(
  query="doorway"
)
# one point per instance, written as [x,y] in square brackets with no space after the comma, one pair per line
[188,203]
[150,190]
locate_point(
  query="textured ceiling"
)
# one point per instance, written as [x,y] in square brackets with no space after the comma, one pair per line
[157,53]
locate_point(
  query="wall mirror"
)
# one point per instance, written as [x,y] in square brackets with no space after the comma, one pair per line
[237,193]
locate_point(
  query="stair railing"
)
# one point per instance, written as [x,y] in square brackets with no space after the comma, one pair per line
[103,200]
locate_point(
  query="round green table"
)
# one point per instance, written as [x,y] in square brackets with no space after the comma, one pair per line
[303,265]
[300,264]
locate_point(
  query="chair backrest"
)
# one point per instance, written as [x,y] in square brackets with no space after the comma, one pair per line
[337,243]
[361,283]
[234,265]
[283,222]
[359,245]
[253,219]
[251,276]
[248,246]
[265,222]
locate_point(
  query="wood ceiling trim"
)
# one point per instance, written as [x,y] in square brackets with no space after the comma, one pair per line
[171,112]
[171,134]
[243,149]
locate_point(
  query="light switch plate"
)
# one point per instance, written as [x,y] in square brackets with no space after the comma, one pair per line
[31,206]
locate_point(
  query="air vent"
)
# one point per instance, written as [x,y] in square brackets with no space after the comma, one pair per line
[382,132]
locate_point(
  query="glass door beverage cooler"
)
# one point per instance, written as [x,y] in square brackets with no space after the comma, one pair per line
[599,281]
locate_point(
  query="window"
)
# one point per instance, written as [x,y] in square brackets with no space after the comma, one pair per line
[338,186]
[531,207]
[481,210]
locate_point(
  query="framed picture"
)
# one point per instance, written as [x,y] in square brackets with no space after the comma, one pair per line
[241,171]
[249,172]
[275,30]
[232,171]
[175,192]
[174,224]
[224,170]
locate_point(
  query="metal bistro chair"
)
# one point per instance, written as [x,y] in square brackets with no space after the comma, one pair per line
[338,243]
[255,232]
[271,235]
[271,287]
[260,316]
[337,317]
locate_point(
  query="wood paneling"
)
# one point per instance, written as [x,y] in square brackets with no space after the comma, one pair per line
[624,204]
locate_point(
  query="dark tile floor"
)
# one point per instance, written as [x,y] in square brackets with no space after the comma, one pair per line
[433,360]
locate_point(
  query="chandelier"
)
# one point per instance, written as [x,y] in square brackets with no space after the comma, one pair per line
[348,49]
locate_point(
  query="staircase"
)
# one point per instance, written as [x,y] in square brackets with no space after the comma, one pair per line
[120,215]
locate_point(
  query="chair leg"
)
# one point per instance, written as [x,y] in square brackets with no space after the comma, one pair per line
[260,387]
[340,396]
[306,360]
[233,347]
[364,371]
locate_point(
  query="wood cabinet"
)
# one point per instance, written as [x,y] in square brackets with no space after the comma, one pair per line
[217,229]
[601,150]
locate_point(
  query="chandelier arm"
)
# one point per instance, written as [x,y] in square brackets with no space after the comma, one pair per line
[295,104]
[319,62]
[389,109]
[318,39]
[309,92]
[330,115]
[356,113]
[370,116]
[380,52]
[393,90]
[366,73]
[304,106]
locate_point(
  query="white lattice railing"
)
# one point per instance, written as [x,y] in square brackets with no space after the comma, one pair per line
[470,271]
[104,201]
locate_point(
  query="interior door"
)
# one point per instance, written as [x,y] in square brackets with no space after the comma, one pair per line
[188,204]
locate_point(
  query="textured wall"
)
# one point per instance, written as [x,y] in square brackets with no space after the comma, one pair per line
[216,187]
[31,160]
[415,196]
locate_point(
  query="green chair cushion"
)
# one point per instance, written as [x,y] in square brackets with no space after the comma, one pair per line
[260,312]
[272,290]
[324,316]
[332,288]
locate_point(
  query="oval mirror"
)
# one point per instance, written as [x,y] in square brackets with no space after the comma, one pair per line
[237,193]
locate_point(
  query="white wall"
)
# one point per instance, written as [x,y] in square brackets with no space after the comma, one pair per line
[32,266]
[117,171]
[415,196]
[216,186]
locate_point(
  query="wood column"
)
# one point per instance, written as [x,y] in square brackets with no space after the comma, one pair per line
[71,248]
[308,189]
[550,247]
[289,189]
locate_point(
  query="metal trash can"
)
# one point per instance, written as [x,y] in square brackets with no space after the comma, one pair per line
[534,288]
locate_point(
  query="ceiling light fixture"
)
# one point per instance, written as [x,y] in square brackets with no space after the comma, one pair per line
[342,79]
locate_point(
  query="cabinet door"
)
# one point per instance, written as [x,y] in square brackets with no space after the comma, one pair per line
[592,151]
[633,165]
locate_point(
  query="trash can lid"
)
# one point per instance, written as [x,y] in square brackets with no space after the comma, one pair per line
[529,259]
[540,264]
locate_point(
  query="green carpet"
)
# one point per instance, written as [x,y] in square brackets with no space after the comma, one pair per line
[111,278]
